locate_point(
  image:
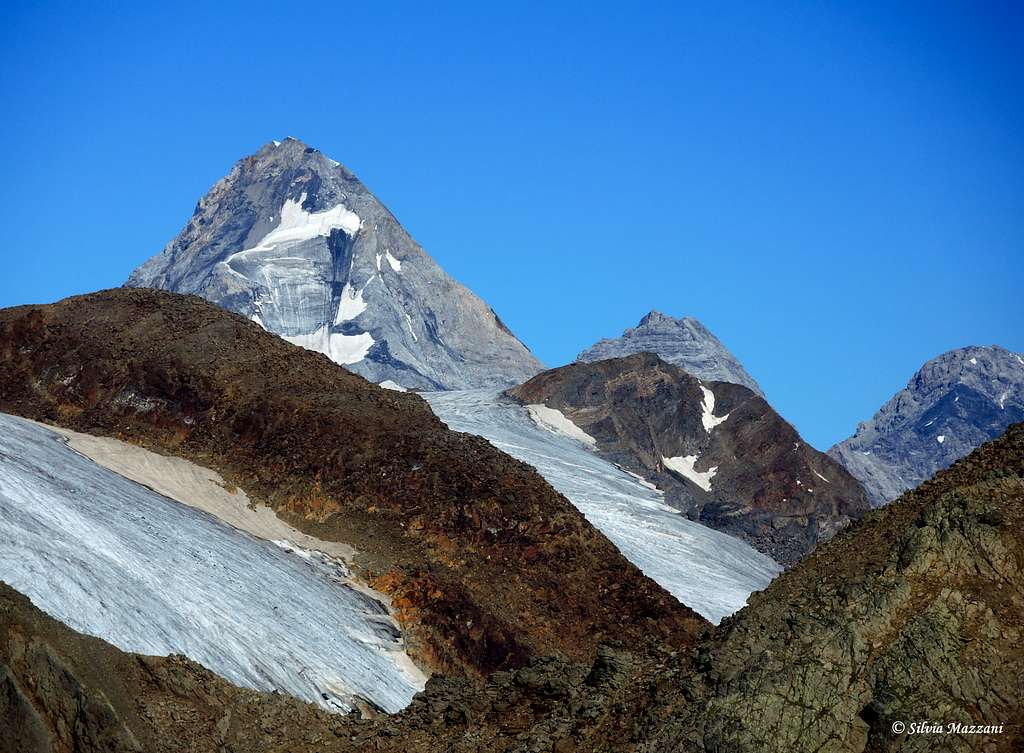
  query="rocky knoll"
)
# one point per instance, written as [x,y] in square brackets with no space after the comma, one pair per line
[487,565]
[913,614]
[717,449]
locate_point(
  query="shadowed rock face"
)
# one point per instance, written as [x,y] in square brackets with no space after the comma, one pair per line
[913,613]
[486,564]
[685,343]
[719,451]
[953,404]
[294,241]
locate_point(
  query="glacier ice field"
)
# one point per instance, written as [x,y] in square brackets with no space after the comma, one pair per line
[113,559]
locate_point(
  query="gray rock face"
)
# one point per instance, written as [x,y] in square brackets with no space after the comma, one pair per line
[297,243]
[952,405]
[682,342]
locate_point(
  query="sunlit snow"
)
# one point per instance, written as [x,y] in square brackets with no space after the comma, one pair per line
[340,348]
[684,467]
[709,571]
[707,406]
[556,421]
[351,304]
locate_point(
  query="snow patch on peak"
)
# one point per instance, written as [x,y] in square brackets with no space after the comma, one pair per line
[974,361]
[555,421]
[298,225]
[684,466]
[389,385]
[941,438]
[340,348]
[351,304]
[708,417]
[394,263]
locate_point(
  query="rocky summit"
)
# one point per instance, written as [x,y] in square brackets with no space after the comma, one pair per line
[951,405]
[683,342]
[294,241]
[717,450]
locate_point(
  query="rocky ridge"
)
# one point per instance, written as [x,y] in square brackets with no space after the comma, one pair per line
[717,449]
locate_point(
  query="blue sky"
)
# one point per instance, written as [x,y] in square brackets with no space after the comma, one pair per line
[837,191]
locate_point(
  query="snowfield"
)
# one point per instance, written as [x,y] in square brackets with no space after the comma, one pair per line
[711,572]
[113,559]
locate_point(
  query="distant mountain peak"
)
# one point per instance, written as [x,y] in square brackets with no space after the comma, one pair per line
[951,405]
[684,342]
[293,240]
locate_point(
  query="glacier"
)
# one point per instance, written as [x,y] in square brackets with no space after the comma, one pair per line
[113,559]
[711,572]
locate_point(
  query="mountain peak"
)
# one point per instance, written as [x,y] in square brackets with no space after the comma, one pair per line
[654,317]
[294,241]
[683,342]
[952,404]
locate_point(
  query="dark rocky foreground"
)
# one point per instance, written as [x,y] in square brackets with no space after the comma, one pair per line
[913,614]
[769,486]
[487,565]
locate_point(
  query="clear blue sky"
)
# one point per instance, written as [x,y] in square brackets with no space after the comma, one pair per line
[837,192]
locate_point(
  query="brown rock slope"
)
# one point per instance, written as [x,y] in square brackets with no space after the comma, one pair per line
[487,564]
[913,614]
[769,486]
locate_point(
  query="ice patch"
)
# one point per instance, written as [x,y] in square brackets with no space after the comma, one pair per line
[277,143]
[554,420]
[708,417]
[394,263]
[974,361]
[684,467]
[340,348]
[379,257]
[389,385]
[408,323]
[820,476]
[941,438]
[351,304]
[298,225]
